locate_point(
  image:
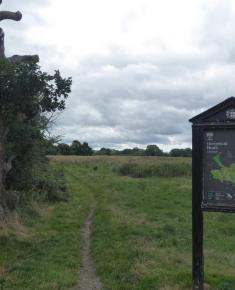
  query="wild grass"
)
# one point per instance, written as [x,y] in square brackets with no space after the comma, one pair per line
[161,169]
[142,228]
[141,234]
[42,250]
[109,160]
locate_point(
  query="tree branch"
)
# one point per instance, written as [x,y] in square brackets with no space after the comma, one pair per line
[10,15]
[24,58]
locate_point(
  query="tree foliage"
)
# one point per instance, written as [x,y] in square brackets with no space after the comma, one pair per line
[27,96]
[76,148]
[27,91]
[154,150]
[187,152]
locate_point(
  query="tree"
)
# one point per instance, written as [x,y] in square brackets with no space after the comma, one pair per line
[26,94]
[51,145]
[137,151]
[187,152]
[126,152]
[76,148]
[63,149]
[86,149]
[154,150]
[104,151]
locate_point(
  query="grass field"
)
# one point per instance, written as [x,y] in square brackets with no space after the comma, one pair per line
[41,246]
[141,236]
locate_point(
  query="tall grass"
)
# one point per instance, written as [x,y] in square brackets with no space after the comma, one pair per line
[162,169]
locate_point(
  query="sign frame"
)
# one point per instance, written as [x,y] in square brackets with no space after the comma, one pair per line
[221,116]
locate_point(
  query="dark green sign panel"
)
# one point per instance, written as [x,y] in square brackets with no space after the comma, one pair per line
[213,172]
[219,167]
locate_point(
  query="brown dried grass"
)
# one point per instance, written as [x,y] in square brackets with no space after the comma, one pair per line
[12,223]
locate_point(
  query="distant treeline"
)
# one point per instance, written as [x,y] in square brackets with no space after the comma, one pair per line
[78,148]
[151,150]
[75,148]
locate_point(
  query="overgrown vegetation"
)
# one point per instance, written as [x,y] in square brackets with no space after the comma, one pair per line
[160,169]
[28,97]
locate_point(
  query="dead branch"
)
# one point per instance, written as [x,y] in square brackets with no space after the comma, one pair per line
[17,16]
[24,58]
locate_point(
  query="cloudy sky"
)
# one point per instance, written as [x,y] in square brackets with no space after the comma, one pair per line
[140,68]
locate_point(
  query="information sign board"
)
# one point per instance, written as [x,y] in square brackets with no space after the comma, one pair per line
[219,168]
[213,173]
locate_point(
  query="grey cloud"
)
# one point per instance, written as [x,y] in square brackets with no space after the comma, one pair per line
[126,98]
[143,102]
[217,30]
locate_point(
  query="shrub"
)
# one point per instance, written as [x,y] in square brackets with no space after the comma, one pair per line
[48,185]
[51,184]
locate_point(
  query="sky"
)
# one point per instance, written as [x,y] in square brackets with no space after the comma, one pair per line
[140,68]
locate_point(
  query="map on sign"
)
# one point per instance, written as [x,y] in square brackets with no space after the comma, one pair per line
[219,167]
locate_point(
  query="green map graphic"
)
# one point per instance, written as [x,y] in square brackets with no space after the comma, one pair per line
[224,173]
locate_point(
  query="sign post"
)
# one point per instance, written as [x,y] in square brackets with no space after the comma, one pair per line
[213,173]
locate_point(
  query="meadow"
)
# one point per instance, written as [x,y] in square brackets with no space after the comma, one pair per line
[141,232]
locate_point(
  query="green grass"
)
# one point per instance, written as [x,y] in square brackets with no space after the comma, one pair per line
[142,230]
[45,253]
[141,237]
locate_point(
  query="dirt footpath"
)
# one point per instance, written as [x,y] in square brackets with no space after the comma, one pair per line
[88,279]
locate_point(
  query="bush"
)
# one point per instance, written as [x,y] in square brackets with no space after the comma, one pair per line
[51,184]
[48,185]
[164,169]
